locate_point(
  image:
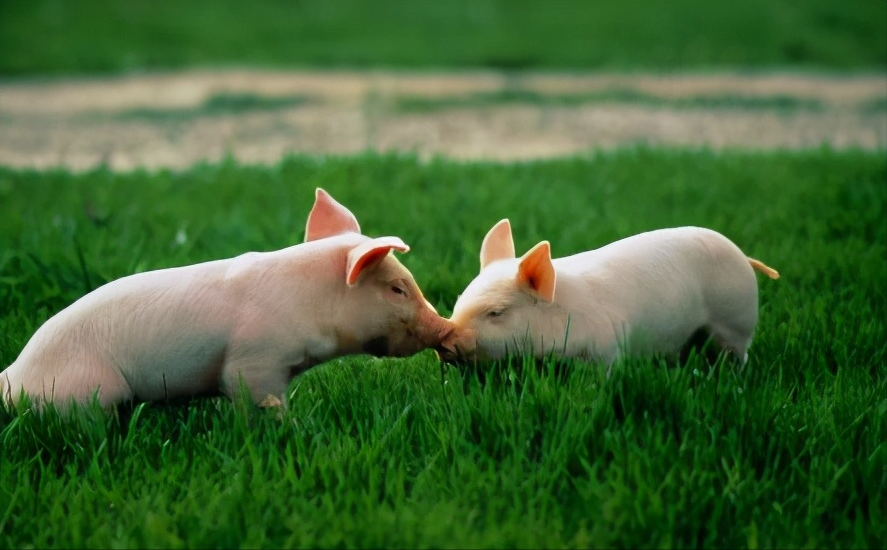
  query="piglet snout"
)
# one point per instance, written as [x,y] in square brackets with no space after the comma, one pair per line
[433,329]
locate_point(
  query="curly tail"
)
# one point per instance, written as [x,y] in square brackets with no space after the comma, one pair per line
[763,268]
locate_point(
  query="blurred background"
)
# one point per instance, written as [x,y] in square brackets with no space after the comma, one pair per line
[39,37]
[132,83]
[184,93]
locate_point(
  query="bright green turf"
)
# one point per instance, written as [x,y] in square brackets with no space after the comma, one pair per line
[64,37]
[789,452]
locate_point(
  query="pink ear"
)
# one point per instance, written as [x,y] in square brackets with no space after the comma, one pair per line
[328,218]
[537,272]
[367,254]
[497,245]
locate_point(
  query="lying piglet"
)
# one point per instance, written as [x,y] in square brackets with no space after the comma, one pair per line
[644,295]
[262,316]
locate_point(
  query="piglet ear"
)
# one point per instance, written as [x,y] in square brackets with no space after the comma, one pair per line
[368,254]
[536,272]
[497,245]
[328,218]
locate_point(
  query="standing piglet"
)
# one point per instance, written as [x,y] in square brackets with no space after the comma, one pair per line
[643,295]
[262,317]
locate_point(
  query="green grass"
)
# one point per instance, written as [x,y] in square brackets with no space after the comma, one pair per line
[779,103]
[220,104]
[788,452]
[56,37]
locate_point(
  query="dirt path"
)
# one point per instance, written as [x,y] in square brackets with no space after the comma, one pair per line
[169,120]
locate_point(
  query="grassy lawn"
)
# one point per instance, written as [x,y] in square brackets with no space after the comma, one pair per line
[790,451]
[40,37]
[787,452]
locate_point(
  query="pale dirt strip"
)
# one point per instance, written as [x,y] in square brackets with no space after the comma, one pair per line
[73,123]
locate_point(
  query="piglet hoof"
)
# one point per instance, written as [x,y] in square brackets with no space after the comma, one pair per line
[272,402]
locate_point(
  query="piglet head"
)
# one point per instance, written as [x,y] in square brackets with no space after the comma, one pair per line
[388,305]
[382,310]
[505,309]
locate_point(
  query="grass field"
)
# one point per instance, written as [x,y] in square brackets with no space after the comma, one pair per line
[790,451]
[44,37]
[787,452]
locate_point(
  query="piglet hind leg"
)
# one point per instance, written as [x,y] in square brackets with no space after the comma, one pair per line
[113,389]
[76,381]
[733,312]
[732,326]
[735,343]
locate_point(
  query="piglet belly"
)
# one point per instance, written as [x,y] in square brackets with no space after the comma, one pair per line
[175,363]
[665,322]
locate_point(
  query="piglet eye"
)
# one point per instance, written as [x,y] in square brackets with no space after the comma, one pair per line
[397,290]
[495,313]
